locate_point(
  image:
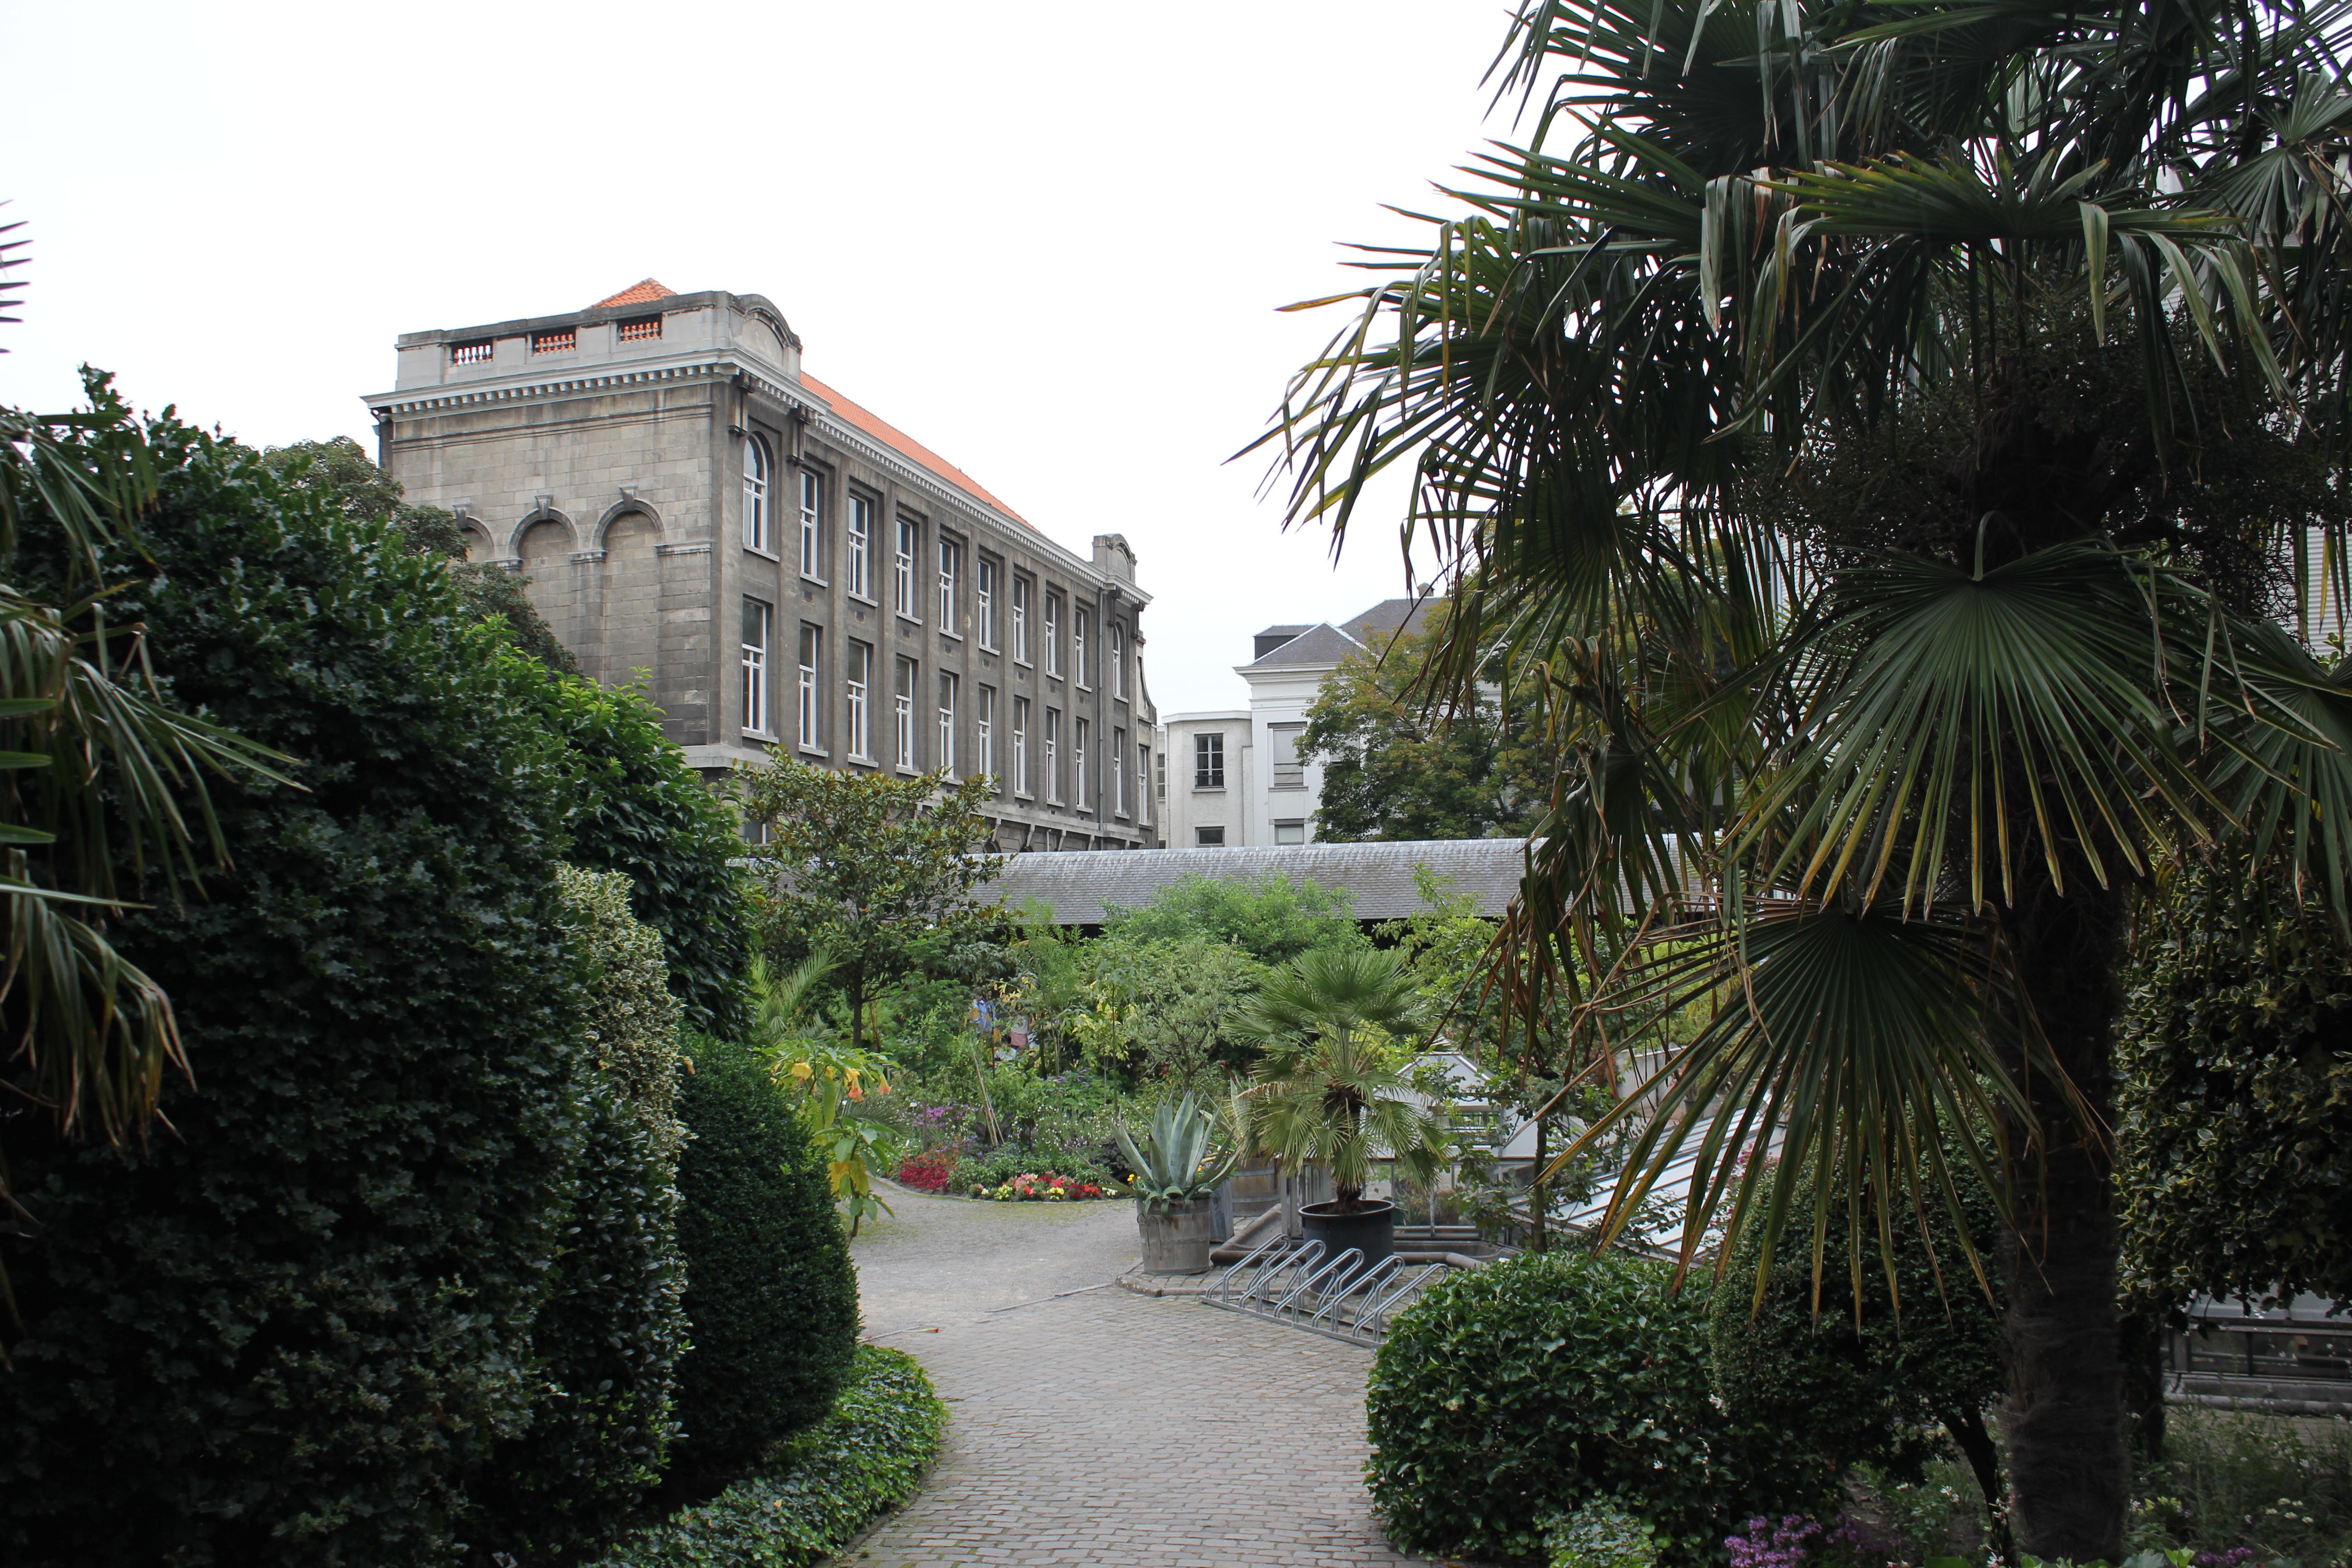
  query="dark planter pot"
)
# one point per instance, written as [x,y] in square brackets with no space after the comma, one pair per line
[1371,1230]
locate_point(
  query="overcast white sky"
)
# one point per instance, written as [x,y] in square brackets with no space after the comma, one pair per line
[1046,239]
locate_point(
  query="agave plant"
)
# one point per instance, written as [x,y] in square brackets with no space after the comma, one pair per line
[1175,1163]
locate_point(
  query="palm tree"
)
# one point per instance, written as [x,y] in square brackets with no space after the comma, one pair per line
[1875,783]
[1328,1089]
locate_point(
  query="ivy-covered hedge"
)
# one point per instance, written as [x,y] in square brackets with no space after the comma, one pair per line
[814,1492]
[1512,1394]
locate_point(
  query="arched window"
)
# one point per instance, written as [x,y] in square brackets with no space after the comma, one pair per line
[755,493]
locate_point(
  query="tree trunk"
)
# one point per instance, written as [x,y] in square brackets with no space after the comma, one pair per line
[2070,1473]
[1537,1241]
[1975,1442]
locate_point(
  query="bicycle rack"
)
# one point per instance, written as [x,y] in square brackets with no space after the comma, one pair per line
[1339,1298]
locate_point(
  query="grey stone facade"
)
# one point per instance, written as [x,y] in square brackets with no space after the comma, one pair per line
[687,508]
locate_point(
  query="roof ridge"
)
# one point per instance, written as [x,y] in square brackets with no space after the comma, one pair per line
[644,291]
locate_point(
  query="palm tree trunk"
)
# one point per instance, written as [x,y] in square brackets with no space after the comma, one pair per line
[2070,1472]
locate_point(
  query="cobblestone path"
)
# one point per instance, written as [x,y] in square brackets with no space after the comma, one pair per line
[1103,1428]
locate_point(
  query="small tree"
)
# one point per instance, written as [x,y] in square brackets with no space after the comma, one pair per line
[876,871]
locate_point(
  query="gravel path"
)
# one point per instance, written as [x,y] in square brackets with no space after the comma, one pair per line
[1102,1428]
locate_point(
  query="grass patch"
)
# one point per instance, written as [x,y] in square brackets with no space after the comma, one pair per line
[811,1493]
[2281,1486]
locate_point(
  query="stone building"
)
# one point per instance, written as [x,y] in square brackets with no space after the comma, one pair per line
[786,571]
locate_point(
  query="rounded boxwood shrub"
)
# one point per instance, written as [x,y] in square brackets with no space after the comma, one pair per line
[289,1327]
[1519,1392]
[770,1295]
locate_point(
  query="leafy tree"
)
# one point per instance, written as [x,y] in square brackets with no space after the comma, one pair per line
[339,471]
[2236,1092]
[1397,765]
[1891,767]
[873,871]
[1272,919]
[1165,1008]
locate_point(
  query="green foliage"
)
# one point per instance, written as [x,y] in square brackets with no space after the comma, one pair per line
[1175,1160]
[2230,1480]
[1272,919]
[1597,1533]
[1855,1382]
[993,1170]
[339,474]
[826,1082]
[633,1020]
[288,1331]
[1525,1389]
[1398,764]
[872,871]
[637,808]
[811,1496]
[771,1293]
[1163,1007]
[2236,1093]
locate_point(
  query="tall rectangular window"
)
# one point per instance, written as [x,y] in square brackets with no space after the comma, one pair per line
[902,572]
[1147,783]
[757,618]
[1160,776]
[812,727]
[861,547]
[1291,832]
[1021,619]
[1021,745]
[902,706]
[811,543]
[1289,772]
[858,681]
[1054,754]
[1208,760]
[944,759]
[983,733]
[1053,631]
[755,493]
[950,568]
[1118,660]
[1078,781]
[1118,772]
[984,601]
[1078,670]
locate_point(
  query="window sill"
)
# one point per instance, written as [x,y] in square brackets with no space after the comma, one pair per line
[945,633]
[815,751]
[870,603]
[817,582]
[1023,794]
[1085,687]
[987,647]
[763,737]
[904,772]
[910,620]
[1208,789]
[749,548]
[858,757]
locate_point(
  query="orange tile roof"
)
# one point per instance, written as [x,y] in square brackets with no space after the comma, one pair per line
[906,445]
[643,292]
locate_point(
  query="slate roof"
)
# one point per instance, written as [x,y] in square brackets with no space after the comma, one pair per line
[1314,648]
[1081,885]
[1389,616]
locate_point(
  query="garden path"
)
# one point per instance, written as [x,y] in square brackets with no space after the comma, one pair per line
[1103,1429]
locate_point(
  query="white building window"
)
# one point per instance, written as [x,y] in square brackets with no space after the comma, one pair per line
[1054,754]
[984,732]
[811,725]
[858,681]
[902,572]
[811,541]
[984,601]
[1289,772]
[950,568]
[1208,760]
[1053,633]
[1290,832]
[861,547]
[1021,745]
[755,493]
[757,618]
[902,703]
[1021,619]
[944,759]
[1118,660]
[1078,790]
[1079,646]
[1158,771]
[1209,837]
[1144,782]
[1118,772]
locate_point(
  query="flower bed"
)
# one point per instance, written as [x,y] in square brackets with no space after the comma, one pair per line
[1030,1187]
[929,1171]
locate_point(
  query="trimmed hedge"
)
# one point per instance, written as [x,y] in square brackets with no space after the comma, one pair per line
[816,1492]
[771,1293]
[1515,1393]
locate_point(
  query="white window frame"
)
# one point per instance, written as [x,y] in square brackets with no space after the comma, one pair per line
[1053,756]
[1145,777]
[812,690]
[860,532]
[811,489]
[1279,774]
[1209,744]
[760,622]
[756,469]
[945,757]
[1021,746]
[1290,824]
[1020,619]
[857,682]
[902,706]
[950,556]
[1079,793]
[1053,633]
[1118,772]
[1118,660]
[983,731]
[906,552]
[984,601]
[1078,648]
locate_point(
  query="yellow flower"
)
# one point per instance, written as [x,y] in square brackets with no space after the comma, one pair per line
[801,1072]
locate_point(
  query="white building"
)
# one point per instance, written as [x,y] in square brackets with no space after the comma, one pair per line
[1234,777]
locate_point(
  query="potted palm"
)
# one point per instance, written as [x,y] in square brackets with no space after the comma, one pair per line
[1176,1176]
[1331,1088]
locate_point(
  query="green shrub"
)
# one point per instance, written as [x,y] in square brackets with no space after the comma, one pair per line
[1525,1389]
[770,1290]
[286,1330]
[813,1494]
[1600,1534]
[638,808]
[633,1019]
[1273,918]
[1000,1165]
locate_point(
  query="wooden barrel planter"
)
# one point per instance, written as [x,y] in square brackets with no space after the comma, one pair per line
[1177,1236]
